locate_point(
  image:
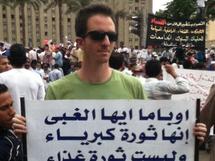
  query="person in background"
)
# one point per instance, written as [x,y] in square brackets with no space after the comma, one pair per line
[156,87]
[10,144]
[207,116]
[117,61]
[58,57]
[55,74]
[4,64]
[22,82]
[2,50]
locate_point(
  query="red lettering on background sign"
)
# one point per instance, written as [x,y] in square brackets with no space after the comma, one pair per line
[160,22]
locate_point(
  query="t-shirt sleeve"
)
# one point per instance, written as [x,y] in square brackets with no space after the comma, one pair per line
[50,94]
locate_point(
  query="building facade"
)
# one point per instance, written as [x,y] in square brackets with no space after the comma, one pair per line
[39,25]
[210,36]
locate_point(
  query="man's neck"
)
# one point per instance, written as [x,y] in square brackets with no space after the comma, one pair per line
[96,74]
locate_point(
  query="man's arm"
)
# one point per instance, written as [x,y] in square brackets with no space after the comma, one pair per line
[180,86]
[207,114]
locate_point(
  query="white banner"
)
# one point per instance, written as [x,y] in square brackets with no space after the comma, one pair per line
[200,82]
[110,130]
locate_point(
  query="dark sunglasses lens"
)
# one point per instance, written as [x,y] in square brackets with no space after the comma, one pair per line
[98,36]
[95,35]
[112,36]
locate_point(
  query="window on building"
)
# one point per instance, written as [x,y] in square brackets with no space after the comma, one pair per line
[53,18]
[3,8]
[36,11]
[137,1]
[4,16]
[38,42]
[69,20]
[14,39]
[29,9]
[53,29]
[38,33]
[46,19]
[46,33]
[5,28]
[12,16]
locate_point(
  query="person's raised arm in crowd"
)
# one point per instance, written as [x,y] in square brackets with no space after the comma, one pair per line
[156,87]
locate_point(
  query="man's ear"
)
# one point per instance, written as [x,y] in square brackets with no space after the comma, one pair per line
[160,76]
[80,41]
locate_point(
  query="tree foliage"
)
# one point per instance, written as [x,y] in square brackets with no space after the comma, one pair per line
[188,9]
[72,5]
[14,3]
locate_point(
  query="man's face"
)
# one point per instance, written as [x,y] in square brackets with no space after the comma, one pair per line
[100,39]
[6,110]
[4,65]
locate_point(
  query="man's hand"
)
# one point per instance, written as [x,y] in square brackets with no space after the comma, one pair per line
[170,69]
[200,131]
[19,125]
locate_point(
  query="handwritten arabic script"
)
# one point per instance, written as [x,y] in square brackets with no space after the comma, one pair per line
[110,130]
[200,82]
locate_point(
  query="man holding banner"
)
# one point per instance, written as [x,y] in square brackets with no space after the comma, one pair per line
[96,36]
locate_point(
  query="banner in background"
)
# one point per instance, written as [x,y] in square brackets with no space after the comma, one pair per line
[200,82]
[170,33]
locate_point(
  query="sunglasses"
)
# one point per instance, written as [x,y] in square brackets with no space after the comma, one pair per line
[99,35]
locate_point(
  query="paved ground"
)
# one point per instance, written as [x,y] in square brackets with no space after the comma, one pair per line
[204,156]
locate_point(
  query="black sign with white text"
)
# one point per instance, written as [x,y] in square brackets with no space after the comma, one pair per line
[169,33]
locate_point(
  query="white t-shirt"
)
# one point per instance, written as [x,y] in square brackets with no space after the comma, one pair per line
[23,83]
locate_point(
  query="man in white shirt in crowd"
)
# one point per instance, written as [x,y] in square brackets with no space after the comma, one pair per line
[20,81]
[157,88]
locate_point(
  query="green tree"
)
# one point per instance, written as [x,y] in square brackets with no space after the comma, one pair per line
[22,3]
[188,9]
[179,9]
[209,10]
[72,6]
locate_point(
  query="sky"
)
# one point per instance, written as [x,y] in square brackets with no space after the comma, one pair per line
[159,4]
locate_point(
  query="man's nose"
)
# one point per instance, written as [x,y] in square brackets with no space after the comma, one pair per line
[12,111]
[106,40]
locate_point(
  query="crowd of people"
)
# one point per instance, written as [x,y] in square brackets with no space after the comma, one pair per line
[92,64]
